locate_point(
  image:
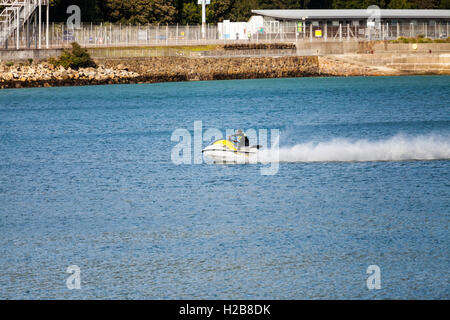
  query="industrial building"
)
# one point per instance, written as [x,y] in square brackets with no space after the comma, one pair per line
[373,23]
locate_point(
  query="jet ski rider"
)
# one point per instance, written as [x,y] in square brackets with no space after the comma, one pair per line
[240,138]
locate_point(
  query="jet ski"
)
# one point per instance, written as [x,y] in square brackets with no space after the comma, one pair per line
[225,151]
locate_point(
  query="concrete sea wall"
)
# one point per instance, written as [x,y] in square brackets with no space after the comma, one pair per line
[25,54]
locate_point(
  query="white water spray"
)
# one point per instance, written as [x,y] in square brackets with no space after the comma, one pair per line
[396,148]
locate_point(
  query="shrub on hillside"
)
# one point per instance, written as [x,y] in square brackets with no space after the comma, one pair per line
[420,39]
[75,58]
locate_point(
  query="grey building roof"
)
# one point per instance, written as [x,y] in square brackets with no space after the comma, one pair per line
[353,14]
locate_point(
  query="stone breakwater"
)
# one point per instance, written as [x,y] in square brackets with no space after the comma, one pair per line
[191,69]
[169,69]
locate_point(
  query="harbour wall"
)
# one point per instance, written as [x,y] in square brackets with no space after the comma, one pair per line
[25,54]
[158,69]
[300,48]
[180,68]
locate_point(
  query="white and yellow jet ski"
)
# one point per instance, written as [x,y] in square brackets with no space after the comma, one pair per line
[224,151]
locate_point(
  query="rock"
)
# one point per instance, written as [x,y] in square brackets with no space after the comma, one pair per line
[121,67]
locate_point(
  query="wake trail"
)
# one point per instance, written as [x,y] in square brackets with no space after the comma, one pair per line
[396,148]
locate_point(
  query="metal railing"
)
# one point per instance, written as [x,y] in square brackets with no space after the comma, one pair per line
[13,18]
[119,35]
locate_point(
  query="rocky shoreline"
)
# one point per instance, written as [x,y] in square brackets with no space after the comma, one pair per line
[46,75]
[171,69]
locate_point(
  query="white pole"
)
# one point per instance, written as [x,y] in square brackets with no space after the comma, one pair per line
[310,32]
[47,30]
[40,25]
[203,18]
[18,29]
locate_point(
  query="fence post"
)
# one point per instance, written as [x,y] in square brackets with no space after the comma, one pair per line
[398,30]
[325,32]
[340,31]
[310,32]
[176,37]
[167,34]
[157,33]
[348,32]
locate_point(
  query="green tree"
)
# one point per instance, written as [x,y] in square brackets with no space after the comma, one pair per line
[219,10]
[91,10]
[425,4]
[282,4]
[191,13]
[317,4]
[357,4]
[242,10]
[188,11]
[400,4]
[141,11]
[445,4]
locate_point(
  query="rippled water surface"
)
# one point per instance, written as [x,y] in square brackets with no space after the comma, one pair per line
[86,179]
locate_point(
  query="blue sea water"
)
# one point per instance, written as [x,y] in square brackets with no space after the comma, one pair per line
[86,179]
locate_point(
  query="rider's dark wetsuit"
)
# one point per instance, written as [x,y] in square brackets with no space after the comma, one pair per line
[241,139]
